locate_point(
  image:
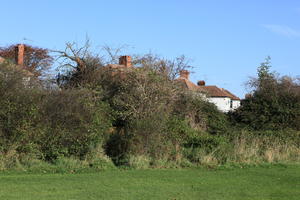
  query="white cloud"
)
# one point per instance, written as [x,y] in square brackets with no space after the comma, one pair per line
[282,30]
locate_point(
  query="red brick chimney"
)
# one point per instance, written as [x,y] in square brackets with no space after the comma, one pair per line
[20,49]
[184,74]
[125,60]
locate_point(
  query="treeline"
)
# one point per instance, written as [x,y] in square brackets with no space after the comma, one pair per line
[90,117]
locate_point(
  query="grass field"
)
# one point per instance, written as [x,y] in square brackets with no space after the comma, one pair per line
[273,182]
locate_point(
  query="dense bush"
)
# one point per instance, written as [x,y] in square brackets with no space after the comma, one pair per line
[139,117]
[154,116]
[150,117]
[201,114]
[274,103]
[73,122]
[49,124]
[19,99]
[143,106]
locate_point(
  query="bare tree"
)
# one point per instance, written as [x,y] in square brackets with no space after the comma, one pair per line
[171,68]
[112,54]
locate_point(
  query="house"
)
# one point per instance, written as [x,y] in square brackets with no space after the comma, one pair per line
[222,98]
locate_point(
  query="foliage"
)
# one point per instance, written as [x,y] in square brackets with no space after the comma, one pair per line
[36,59]
[47,123]
[74,122]
[78,67]
[142,105]
[201,115]
[274,104]
[139,117]
[18,109]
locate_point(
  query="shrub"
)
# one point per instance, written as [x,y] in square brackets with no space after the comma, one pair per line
[49,123]
[19,99]
[274,103]
[74,122]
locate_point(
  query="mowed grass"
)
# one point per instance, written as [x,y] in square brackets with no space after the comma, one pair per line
[275,182]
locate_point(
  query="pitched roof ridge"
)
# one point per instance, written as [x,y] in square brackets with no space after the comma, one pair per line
[189,84]
[211,90]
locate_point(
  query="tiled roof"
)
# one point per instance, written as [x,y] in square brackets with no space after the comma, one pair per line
[213,91]
[188,84]
[232,96]
[210,90]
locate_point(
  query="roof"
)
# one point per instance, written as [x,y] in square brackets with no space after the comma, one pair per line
[214,91]
[211,90]
[232,96]
[188,84]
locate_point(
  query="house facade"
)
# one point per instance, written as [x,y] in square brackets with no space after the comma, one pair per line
[222,98]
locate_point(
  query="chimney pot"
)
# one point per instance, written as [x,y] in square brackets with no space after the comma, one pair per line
[201,83]
[125,60]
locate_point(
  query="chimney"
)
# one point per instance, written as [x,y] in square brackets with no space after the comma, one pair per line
[201,83]
[125,60]
[20,48]
[184,74]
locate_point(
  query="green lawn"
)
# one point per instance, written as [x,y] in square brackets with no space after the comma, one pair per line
[276,182]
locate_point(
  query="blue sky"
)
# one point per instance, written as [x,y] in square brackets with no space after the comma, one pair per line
[225,39]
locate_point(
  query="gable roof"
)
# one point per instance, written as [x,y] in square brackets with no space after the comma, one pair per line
[210,90]
[214,91]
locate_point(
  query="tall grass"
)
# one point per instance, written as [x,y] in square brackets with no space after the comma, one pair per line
[242,149]
[249,149]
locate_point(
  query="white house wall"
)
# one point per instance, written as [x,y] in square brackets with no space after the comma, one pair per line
[222,103]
